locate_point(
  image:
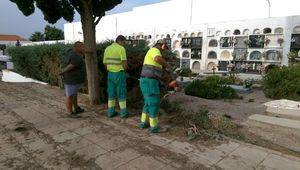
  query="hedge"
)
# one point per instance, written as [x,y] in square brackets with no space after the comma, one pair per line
[283,83]
[44,62]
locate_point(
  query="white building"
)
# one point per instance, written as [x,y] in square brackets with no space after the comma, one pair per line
[199,35]
[10,40]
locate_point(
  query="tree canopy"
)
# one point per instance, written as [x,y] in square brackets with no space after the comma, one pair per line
[53,33]
[91,12]
[54,10]
[36,36]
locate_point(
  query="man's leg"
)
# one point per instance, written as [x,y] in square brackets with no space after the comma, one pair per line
[69,98]
[111,90]
[145,114]
[70,93]
[154,101]
[77,109]
[145,117]
[121,90]
[75,102]
[69,104]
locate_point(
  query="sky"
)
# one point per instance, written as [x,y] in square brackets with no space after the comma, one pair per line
[12,21]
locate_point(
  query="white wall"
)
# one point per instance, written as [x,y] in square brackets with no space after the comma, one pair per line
[173,17]
[13,43]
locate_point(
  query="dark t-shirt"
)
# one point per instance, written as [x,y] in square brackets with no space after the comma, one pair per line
[78,74]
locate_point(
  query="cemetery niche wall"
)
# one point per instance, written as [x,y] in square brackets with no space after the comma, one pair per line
[226,42]
[185,63]
[257,41]
[295,43]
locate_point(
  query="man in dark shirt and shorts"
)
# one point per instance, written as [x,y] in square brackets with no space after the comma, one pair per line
[74,75]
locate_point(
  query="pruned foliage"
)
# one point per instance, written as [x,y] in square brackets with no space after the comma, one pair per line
[213,87]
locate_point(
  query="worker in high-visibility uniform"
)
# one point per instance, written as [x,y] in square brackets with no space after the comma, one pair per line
[149,84]
[115,61]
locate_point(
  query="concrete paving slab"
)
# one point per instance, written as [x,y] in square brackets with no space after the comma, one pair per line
[8,119]
[28,114]
[208,157]
[71,123]
[97,136]
[243,158]
[91,151]
[43,154]
[159,141]
[63,137]
[278,162]
[147,163]
[112,143]
[199,159]
[84,130]
[126,167]
[293,124]
[108,161]
[53,129]
[227,148]
[76,143]
[13,152]
[180,147]
[126,155]
[36,145]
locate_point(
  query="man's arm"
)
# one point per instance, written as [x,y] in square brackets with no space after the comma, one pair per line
[67,69]
[161,61]
[124,58]
[125,64]
[73,62]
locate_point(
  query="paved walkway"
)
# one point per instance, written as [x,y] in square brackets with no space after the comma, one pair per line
[36,133]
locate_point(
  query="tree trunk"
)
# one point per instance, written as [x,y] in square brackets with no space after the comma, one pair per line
[89,33]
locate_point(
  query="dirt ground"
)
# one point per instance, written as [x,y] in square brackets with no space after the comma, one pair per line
[238,109]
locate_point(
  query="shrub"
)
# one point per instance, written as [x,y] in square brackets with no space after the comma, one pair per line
[228,80]
[185,72]
[39,62]
[44,62]
[271,67]
[283,83]
[213,87]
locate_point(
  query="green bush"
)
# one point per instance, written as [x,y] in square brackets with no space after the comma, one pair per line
[228,80]
[39,62]
[283,83]
[185,72]
[44,62]
[213,87]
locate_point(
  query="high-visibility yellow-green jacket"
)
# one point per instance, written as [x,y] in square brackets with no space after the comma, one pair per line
[114,55]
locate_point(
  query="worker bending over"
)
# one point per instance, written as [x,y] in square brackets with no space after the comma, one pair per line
[151,75]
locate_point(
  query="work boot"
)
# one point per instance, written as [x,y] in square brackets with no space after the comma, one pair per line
[112,114]
[154,130]
[143,125]
[79,110]
[75,115]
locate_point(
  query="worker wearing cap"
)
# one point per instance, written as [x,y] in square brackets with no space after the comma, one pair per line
[116,63]
[149,83]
